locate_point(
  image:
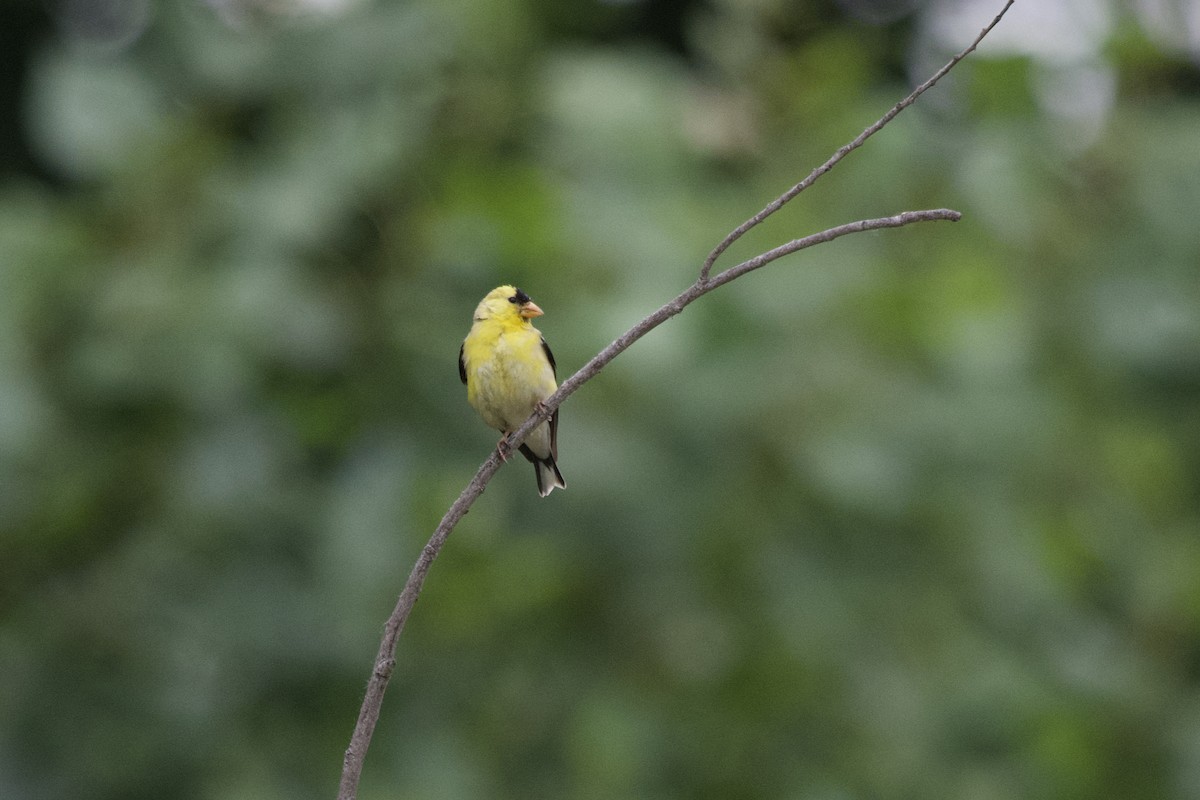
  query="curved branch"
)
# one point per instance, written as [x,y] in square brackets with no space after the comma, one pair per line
[385,661]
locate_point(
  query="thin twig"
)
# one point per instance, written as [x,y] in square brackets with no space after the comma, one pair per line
[385,661]
[843,151]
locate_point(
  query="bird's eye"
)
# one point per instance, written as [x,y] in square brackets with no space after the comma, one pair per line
[512,299]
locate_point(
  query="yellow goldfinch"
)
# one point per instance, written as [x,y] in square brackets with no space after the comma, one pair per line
[509,371]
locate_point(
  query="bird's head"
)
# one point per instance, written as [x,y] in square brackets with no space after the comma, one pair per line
[507,302]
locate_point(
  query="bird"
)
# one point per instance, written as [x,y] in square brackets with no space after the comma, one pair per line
[509,372]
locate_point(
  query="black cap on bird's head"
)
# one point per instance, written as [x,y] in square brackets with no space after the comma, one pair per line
[495,303]
[525,305]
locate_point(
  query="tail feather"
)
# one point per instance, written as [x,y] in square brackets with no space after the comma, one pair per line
[546,472]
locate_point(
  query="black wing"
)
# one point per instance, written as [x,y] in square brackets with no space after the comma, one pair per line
[554,416]
[462,365]
[549,356]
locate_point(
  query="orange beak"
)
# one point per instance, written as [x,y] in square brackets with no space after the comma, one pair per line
[530,310]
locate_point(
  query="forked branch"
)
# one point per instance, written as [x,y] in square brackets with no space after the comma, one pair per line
[847,148]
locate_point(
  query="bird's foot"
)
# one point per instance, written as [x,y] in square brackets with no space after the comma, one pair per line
[504,448]
[541,409]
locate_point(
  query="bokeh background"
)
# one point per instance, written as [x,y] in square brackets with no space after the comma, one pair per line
[915,514]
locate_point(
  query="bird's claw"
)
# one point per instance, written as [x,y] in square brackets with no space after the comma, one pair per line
[504,448]
[541,409]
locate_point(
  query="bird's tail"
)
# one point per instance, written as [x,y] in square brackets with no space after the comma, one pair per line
[546,471]
[548,477]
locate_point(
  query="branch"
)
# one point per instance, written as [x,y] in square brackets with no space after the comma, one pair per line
[844,150]
[385,660]
[701,288]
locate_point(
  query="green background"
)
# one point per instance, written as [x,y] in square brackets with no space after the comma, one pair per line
[915,514]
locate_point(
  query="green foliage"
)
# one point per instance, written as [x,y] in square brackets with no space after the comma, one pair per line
[913,514]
